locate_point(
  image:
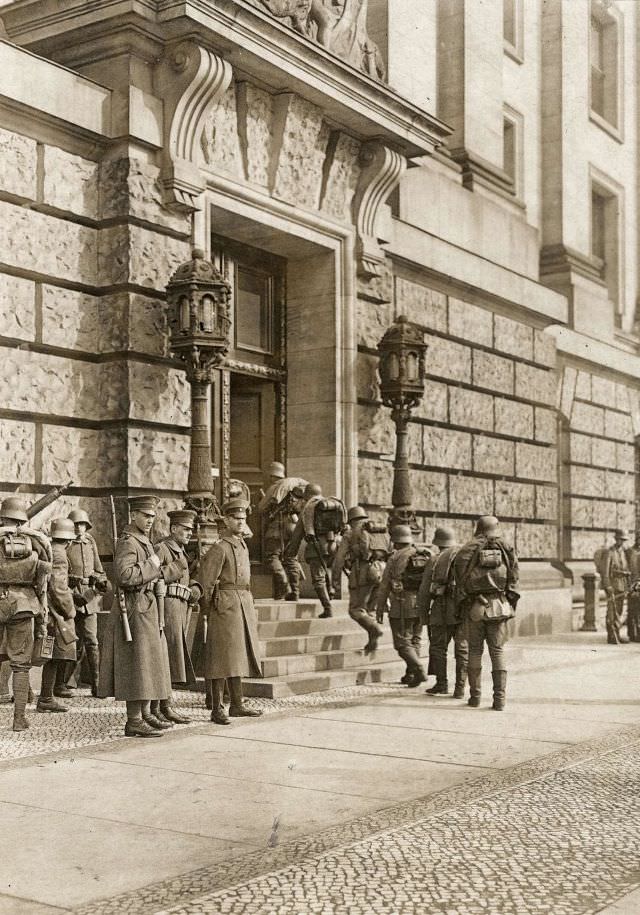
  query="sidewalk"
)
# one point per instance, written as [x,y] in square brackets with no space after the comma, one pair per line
[115,825]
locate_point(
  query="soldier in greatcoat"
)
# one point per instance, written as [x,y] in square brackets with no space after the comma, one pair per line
[233,648]
[137,671]
[615,579]
[182,594]
[61,616]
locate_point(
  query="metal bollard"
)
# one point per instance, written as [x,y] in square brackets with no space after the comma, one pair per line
[591,582]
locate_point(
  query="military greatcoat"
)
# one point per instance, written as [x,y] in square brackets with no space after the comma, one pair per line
[138,669]
[61,601]
[233,648]
[175,571]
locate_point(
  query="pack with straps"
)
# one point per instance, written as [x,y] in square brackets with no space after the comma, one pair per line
[489,569]
[329,517]
[414,569]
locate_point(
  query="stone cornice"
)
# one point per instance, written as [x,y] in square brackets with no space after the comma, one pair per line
[253,43]
[573,343]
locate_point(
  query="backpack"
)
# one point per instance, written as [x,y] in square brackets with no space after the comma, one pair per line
[489,569]
[414,569]
[329,517]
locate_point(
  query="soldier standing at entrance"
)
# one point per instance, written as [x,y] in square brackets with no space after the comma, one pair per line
[280,507]
[399,586]
[233,648]
[615,578]
[437,600]
[182,593]
[361,556]
[633,602]
[486,577]
[137,670]
[87,579]
[61,616]
[25,564]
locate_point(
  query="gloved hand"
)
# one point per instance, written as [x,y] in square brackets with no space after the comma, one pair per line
[100,584]
[311,538]
[196,592]
[79,599]
[40,629]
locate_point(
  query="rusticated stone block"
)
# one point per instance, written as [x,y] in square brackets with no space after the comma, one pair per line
[580,448]
[544,348]
[373,319]
[493,455]
[159,394]
[535,462]
[587,418]
[585,543]
[375,481]
[513,337]
[536,384]
[622,398]
[470,322]
[131,187]
[625,457]
[470,495]
[17,312]
[546,425]
[429,490]
[376,431]
[159,460]
[131,254]
[433,405]
[42,383]
[492,372]
[148,331]
[587,481]
[377,288]
[583,386]
[626,517]
[547,503]
[536,541]
[70,182]
[447,448]
[342,180]
[300,138]
[582,512]
[90,457]
[42,243]
[75,320]
[514,418]
[415,447]
[514,500]
[447,359]
[17,451]
[255,119]
[603,452]
[619,485]
[603,391]
[420,304]
[220,145]
[18,164]
[605,514]
[368,384]
[567,390]
[471,408]
[618,425]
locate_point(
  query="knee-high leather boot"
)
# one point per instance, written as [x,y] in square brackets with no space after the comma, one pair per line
[499,689]
[461,680]
[20,696]
[475,678]
[238,709]
[218,714]
[93,660]
[442,684]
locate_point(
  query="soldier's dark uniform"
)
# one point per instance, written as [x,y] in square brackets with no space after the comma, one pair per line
[405,618]
[280,519]
[615,579]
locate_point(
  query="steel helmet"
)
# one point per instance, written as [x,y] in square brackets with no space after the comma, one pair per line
[401,534]
[357,513]
[487,524]
[311,490]
[63,529]
[14,509]
[443,536]
[276,469]
[79,516]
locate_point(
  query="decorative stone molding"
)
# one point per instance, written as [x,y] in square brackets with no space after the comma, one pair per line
[382,169]
[190,80]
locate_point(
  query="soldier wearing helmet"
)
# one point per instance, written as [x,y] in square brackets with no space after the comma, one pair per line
[398,590]
[437,601]
[486,577]
[279,509]
[361,554]
[25,564]
[61,616]
[87,580]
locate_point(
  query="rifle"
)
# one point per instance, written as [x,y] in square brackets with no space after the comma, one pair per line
[328,578]
[48,498]
[126,629]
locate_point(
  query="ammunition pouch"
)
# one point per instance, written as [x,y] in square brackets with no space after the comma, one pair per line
[178,591]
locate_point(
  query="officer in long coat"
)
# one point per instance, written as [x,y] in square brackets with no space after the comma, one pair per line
[233,648]
[182,593]
[137,671]
[61,616]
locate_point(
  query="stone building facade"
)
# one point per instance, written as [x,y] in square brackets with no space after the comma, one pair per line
[473,167]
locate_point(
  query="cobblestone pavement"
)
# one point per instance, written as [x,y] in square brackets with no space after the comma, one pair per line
[564,844]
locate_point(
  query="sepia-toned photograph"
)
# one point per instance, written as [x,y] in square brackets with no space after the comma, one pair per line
[319,457]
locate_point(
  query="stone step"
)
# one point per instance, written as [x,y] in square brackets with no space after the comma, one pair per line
[325,660]
[272,611]
[311,682]
[312,644]
[303,627]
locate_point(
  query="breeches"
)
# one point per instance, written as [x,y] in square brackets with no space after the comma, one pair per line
[86,630]
[440,636]
[495,634]
[18,641]
[319,578]
[407,639]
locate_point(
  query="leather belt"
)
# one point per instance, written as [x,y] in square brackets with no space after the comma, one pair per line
[231,588]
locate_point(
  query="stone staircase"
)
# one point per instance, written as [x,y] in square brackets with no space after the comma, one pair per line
[304,654]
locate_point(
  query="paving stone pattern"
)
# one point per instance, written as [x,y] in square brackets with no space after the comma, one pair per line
[560,845]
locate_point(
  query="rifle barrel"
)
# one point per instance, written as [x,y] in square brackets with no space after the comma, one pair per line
[47,499]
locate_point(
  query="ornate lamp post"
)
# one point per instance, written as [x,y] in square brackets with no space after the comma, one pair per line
[402,370]
[198,299]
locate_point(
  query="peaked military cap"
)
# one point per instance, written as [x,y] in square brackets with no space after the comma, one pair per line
[357,513]
[401,534]
[232,506]
[276,469]
[63,529]
[182,516]
[147,504]
[78,516]
[14,509]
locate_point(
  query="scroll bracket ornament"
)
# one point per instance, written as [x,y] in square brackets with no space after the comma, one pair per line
[190,80]
[381,171]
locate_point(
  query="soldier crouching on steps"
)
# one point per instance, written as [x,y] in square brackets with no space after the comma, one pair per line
[399,586]
[486,578]
[358,557]
[233,648]
[25,564]
[137,670]
[62,612]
